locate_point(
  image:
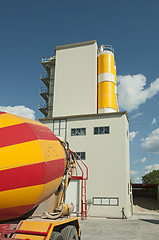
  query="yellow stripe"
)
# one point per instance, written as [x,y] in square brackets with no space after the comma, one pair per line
[105,63]
[20,197]
[28,195]
[50,187]
[8,119]
[32,121]
[30,153]
[106,95]
[52,149]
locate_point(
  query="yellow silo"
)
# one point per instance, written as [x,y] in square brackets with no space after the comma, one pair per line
[107,94]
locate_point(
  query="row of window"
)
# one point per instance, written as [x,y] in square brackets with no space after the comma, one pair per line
[82,131]
[105,201]
[59,129]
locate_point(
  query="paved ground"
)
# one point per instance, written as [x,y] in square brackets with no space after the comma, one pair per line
[139,227]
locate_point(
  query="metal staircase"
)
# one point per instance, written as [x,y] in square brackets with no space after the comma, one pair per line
[81,174]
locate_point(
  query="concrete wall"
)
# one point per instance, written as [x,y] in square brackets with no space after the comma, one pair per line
[107,157]
[127,170]
[75,89]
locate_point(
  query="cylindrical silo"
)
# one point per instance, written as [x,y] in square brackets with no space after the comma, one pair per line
[107,94]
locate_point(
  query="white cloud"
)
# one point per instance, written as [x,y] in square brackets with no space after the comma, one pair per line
[19,110]
[137,115]
[151,143]
[142,160]
[132,172]
[154,121]
[132,135]
[150,168]
[132,91]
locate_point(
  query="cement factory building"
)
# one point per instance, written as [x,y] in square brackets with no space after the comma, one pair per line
[81,108]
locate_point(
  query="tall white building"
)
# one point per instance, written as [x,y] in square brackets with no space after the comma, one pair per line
[81,107]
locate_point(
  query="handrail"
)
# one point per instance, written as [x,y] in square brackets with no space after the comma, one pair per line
[73,154]
[44,75]
[83,179]
[42,105]
[43,90]
[106,48]
[78,165]
[48,58]
[83,164]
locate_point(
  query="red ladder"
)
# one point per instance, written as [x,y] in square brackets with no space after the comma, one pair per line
[83,200]
[83,177]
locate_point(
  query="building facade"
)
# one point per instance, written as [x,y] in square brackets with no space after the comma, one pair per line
[97,132]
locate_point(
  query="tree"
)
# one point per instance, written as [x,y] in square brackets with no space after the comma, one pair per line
[151,177]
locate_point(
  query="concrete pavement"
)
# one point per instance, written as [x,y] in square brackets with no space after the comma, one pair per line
[139,227]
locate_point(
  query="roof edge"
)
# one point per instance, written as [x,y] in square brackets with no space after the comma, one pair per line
[72,45]
[86,115]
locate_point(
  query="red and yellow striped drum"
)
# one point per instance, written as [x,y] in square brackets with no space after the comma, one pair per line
[32,164]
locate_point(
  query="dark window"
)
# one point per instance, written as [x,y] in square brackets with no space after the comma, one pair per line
[101,130]
[82,155]
[78,131]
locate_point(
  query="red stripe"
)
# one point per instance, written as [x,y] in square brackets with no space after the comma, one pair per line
[42,132]
[31,175]
[16,134]
[54,169]
[14,212]
[2,112]
[24,132]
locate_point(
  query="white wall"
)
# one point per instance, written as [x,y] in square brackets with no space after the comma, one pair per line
[107,157]
[75,89]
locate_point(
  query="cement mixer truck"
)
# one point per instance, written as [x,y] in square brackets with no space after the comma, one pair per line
[35,170]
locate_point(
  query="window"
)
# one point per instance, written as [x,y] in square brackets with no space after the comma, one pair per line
[59,128]
[82,155]
[101,130]
[78,131]
[106,201]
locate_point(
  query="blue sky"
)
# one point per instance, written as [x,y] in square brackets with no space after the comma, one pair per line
[32,29]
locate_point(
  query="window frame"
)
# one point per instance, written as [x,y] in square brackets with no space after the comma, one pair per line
[76,130]
[59,121]
[101,130]
[105,198]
